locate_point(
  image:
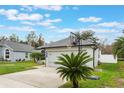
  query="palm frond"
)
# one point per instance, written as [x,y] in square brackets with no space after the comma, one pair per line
[72,67]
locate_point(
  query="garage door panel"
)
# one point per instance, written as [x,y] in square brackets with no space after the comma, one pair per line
[53,57]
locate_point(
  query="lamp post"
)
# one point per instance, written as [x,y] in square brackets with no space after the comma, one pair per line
[78,39]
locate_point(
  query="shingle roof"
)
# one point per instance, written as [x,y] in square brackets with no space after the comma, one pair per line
[65,42]
[17,46]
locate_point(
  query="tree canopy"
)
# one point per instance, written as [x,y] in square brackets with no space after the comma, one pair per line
[118,46]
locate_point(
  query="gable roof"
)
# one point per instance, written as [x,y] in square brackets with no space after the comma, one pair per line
[65,43]
[17,46]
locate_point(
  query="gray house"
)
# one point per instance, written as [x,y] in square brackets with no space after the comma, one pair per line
[13,51]
[67,46]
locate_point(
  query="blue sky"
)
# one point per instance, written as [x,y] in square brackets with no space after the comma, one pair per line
[56,22]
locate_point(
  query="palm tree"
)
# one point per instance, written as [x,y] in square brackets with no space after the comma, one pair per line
[84,35]
[118,46]
[73,68]
[87,35]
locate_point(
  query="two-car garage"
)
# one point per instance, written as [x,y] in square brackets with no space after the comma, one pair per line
[54,53]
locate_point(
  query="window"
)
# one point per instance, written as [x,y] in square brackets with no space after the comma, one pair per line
[7,56]
[26,55]
[7,53]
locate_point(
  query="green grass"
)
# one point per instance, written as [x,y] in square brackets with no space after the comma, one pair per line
[108,77]
[9,67]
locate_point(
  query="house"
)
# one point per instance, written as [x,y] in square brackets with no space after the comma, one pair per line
[67,46]
[14,51]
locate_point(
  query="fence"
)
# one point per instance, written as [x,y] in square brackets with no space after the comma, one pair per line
[105,58]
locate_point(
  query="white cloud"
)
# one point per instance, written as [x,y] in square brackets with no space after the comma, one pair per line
[27,23]
[49,22]
[46,23]
[101,36]
[43,7]
[110,24]
[48,7]
[31,17]
[90,19]
[13,14]
[23,16]
[52,27]
[17,28]
[24,28]
[10,14]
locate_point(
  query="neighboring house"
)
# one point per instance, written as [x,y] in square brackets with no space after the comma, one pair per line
[67,46]
[13,51]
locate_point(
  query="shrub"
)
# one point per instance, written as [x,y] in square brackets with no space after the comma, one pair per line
[37,56]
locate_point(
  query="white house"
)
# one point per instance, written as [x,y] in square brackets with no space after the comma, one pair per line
[67,46]
[13,51]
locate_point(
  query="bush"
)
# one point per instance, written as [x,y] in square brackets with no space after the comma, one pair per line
[37,56]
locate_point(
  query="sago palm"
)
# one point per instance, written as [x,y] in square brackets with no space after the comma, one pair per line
[72,67]
[118,46]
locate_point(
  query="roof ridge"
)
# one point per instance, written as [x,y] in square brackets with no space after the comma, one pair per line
[13,42]
[16,46]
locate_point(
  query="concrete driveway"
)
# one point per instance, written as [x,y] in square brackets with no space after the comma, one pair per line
[43,77]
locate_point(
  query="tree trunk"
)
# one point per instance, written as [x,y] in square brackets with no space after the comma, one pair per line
[35,60]
[75,84]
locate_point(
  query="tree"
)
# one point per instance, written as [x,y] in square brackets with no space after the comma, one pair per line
[40,41]
[87,35]
[23,42]
[31,38]
[37,56]
[14,38]
[72,67]
[118,46]
[106,49]
[3,38]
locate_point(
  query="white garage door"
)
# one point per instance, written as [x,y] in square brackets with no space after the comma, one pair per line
[53,56]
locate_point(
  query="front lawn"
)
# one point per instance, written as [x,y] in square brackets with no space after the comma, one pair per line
[9,67]
[111,76]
